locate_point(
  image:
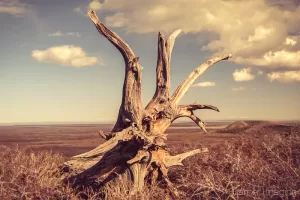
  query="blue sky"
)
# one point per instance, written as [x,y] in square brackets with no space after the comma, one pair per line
[56,67]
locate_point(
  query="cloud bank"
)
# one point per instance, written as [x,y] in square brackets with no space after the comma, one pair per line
[284,77]
[258,33]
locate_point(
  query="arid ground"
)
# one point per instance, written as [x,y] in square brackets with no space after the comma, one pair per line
[73,139]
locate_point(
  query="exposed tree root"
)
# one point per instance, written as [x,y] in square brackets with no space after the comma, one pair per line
[137,142]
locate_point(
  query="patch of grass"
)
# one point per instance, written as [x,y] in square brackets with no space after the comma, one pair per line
[28,175]
[256,166]
[265,165]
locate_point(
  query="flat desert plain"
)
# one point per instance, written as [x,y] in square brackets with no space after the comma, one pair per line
[72,139]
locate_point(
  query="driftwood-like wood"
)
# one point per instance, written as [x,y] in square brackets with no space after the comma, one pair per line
[137,141]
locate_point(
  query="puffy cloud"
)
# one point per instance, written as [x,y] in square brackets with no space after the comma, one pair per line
[13,7]
[243,75]
[290,41]
[268,37]
[204,84]
[285,77]
[59,33]
[65,56]
[238,89]
[95,5]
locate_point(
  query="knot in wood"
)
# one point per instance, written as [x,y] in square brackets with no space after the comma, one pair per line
[147,118]
[134,66]
[162,100]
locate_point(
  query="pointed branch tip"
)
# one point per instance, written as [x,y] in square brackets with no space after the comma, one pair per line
[187,83]
[175,33]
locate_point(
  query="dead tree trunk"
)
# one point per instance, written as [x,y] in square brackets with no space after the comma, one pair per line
[137,141]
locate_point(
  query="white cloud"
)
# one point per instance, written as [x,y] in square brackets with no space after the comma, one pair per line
[276,59]
[260,39]
[95,5]
[204,84]
[238,89]
[290,41]
[59,33]
[13,7]
[243,74]
[65,56]
[284,77]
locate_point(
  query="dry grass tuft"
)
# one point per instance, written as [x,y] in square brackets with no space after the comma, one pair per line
[259,166]
[28,175]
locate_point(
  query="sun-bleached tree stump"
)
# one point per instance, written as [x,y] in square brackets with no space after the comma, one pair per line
[137,141]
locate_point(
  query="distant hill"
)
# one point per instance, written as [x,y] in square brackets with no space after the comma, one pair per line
[257,126]
[270,127]
[241,126]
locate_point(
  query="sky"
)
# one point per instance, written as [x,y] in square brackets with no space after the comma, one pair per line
[56,67]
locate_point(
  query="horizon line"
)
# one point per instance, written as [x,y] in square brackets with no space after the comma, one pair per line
[112,122]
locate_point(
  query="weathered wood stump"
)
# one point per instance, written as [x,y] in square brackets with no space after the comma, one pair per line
[137,142]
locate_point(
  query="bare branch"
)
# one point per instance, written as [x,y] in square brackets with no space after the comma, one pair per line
[106,146]
[162,70]
[198,121]
[183,112]
[186,84]
[198,106]
[131,107]
[177,160]
[170,43]
[187,111]
[78,165]
[163,80]
[162,91]
[112,37]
